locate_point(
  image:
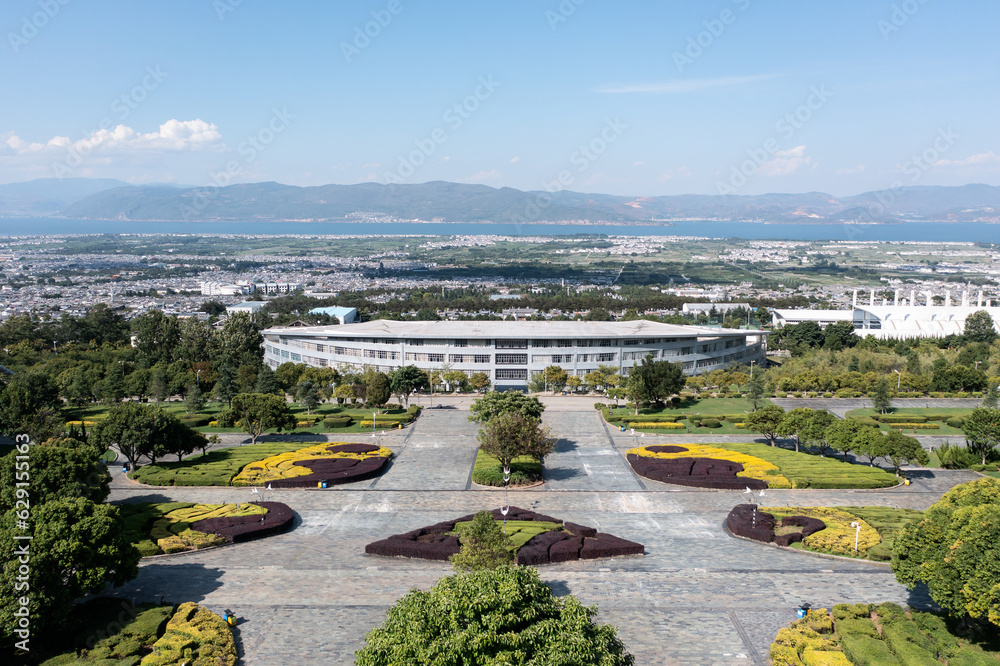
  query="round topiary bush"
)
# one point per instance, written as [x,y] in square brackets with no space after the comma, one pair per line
[711,423]
[503,615]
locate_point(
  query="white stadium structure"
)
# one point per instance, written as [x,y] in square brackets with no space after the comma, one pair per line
[914,317]
[512,351]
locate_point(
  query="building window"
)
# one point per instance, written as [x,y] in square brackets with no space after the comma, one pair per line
[512,344]
[429,358]
[469,358]
[511,373]
[604,358]
[460,343]
[512,359]
[628,343]
[481,358]
[564,343]
[541,343]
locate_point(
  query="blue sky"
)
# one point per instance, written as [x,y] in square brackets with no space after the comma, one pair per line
[634,98]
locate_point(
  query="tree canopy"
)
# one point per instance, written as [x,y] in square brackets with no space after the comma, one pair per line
[510,435]
[494,403]
[253,413]
[484,545]
[766,421]
[56,472]
[982,432]
[654,381]
[405,380]
[955,550]
[979,327]
[138,430]
[496,616]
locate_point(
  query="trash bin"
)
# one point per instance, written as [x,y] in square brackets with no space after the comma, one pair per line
[622,428]
[802,611]
[321,484]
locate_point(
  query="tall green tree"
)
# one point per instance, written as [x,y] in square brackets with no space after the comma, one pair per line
[494,403]
[254,413]
[992,398]
[979,327]
[240,342]
[77,548]
[138,430]
[982,432]
[903,449]
[55,472]
[955,550]
[496,616]
[267,382]
[377,391]
[882,396]
[766,421]
[840,335]
[307,395]
[156,337]
[405,380]
[510,435]
[845,434]
[652,382]
[757,390]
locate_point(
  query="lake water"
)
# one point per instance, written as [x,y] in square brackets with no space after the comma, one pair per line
[913,231]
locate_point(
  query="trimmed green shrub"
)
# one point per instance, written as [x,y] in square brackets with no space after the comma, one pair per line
[711,423]
[343,421]
[195,420]
[955,422]
[867,651]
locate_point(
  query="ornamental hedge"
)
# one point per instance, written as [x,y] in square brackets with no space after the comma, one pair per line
[194,635]
[875,635]
[537,539]
[750,522]
[172,527]
[308,467]
[704,467]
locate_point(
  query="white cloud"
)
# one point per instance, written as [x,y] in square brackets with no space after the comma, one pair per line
[684,86]
[980,159]
[446,158]
[484,177]
[786,162]
[515,160]
[172,136]
[853,170]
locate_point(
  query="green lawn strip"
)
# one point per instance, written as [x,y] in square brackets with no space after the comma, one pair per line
[703,406]
[520,531]
[806,470]
[156,528]
[215,468]
[942,429]
[136,628]
[877,635]
[523,470]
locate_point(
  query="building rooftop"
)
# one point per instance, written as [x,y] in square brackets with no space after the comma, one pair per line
[334,311]
[512,329]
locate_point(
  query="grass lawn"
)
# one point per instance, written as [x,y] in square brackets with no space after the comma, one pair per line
[806,470]
[995,475]
[215,468]
[519,531]
[132,639]
[523,471]
[942,429]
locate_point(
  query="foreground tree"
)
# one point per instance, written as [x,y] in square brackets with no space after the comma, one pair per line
[845,434]
[498,616]
[766,421]
[979,327]
[991,400]
[903,449]
[77,548]
[805,424]
[254,413]
[982,432]
[405,380]
[757,390]
[955,550]
[377,391]
[494,403]
[484,545]
[55,472]
[511,435]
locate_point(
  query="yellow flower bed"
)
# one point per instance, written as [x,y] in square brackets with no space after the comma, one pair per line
[172,532]
[305,424]
[740,426]
[80,423]
[282,466]
[666,425]
[838,537]
[914,426]
[753,468]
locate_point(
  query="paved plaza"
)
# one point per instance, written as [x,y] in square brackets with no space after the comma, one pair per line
[698,596]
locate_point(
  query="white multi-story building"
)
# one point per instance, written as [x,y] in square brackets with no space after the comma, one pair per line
[512,351]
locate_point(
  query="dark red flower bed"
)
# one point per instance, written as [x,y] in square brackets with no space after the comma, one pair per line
[666,448]
[336,470]
[575,542]
[698,472]
[741,522]
[236,529]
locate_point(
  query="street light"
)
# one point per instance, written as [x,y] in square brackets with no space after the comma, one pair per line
[899,378]
[857,534]
[122,363]
[751,368]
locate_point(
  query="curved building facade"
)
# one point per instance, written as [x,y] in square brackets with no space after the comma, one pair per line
[511,351]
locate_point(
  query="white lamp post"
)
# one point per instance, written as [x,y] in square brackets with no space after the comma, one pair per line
[857,534]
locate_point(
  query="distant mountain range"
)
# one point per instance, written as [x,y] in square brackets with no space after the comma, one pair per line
[95,199]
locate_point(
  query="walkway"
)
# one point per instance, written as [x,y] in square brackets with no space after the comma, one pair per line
[697,597]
